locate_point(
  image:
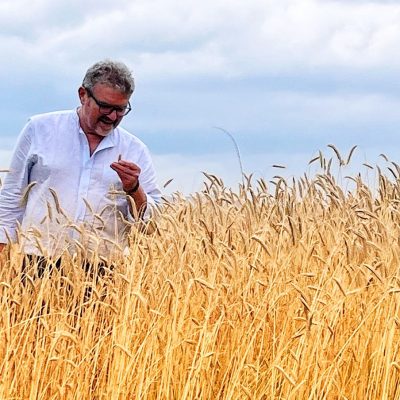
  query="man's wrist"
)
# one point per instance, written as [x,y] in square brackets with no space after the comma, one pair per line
[134,189]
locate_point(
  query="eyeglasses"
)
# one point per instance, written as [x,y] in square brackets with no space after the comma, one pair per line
[107,109]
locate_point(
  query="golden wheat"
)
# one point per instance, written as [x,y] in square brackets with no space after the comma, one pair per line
[293,294]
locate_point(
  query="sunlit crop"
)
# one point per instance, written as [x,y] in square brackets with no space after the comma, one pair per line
[286,289]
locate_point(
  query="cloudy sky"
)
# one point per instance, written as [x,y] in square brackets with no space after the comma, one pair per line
[284,77]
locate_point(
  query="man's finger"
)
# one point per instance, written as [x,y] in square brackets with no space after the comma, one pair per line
[127,177]
[129,169]
[126,170]
[128,164]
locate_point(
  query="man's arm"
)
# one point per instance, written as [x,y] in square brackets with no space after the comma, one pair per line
[15,182]
[139,199]
[129,174]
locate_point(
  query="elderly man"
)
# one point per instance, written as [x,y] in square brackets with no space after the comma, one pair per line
[78,180]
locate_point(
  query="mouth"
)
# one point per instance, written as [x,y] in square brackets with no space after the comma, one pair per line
[106,121]
[104,126]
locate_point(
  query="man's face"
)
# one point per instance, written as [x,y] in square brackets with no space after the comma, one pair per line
[103,108]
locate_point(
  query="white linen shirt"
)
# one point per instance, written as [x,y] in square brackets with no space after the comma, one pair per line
[65,199]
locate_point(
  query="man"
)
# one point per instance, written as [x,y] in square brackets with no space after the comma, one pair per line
[77,180]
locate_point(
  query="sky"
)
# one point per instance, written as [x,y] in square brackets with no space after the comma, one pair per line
[285,78]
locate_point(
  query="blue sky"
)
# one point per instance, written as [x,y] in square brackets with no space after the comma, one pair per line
[284,77]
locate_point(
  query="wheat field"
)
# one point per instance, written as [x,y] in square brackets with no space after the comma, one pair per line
[278,290]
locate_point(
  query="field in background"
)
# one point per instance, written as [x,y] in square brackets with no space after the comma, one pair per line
[282,290]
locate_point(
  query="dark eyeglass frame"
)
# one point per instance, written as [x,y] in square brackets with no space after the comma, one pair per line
[107,109]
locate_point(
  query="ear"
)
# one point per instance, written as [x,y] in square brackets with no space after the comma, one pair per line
[82,94]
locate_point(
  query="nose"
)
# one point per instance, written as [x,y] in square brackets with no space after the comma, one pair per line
[113,115]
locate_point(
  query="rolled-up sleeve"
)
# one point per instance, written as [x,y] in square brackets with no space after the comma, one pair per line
[12,190]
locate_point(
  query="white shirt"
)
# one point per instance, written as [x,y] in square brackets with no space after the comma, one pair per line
[77,200]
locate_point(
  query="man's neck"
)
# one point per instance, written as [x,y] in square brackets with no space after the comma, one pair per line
[93,138]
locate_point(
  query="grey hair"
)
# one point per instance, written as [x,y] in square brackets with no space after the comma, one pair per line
[113,73]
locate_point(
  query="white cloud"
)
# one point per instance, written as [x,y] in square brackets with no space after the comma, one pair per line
[164,38]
